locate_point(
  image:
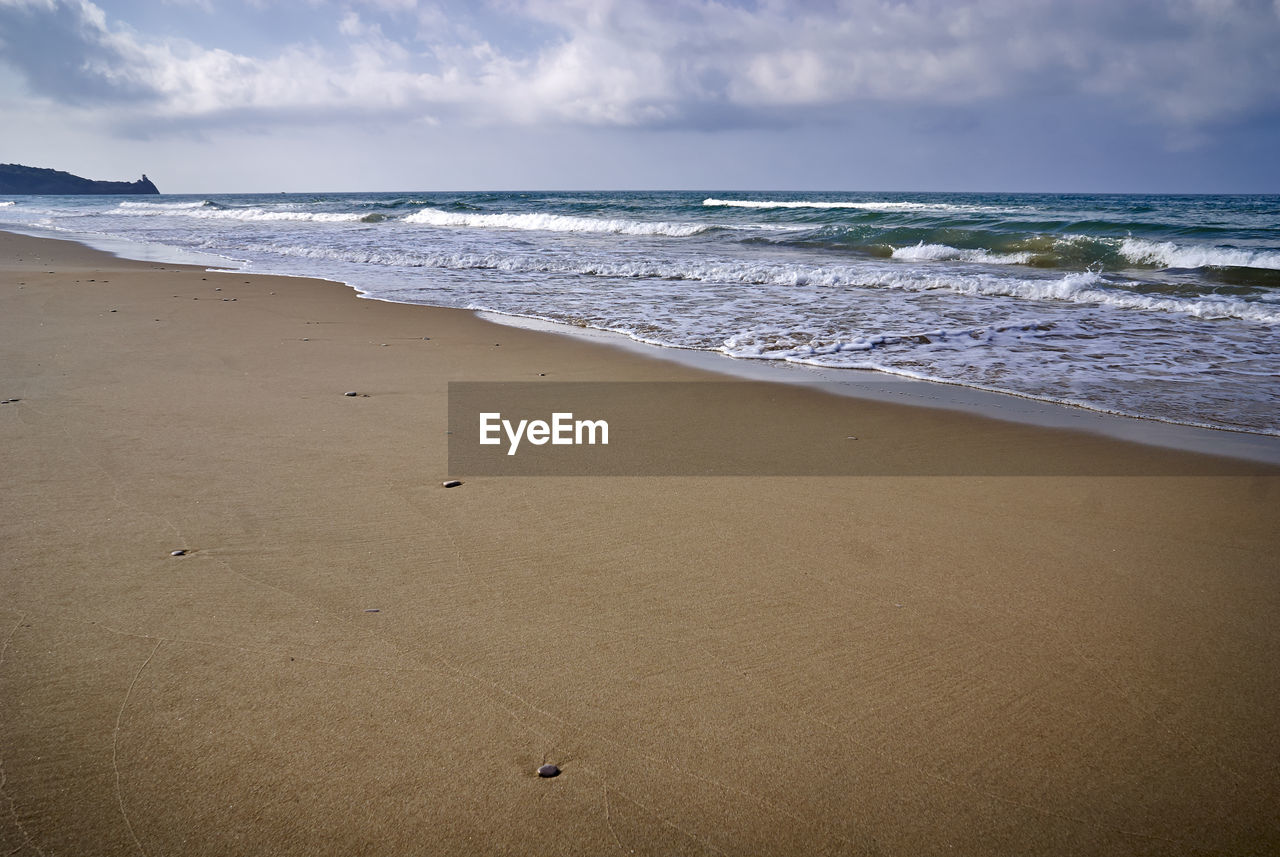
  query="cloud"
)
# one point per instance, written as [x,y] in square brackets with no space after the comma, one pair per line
[1183,64]
[65,52]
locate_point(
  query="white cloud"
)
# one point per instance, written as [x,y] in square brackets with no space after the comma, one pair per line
[1184,63]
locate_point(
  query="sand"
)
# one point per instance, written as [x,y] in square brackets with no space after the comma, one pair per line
[353,659]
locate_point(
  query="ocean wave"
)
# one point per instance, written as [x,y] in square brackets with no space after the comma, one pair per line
[554,223]
[212,211]
[1167,254]
[772,346]
[1087,287]
[7,203]
[923,252]
[165,207]
[885,205]
[1084,287]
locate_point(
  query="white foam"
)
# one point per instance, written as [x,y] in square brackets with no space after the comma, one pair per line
[553,223]
[1170,255]
[884,205]
[7,203]
[774,347]
[1084,287]
[204,211]
[161,206]
[923,252]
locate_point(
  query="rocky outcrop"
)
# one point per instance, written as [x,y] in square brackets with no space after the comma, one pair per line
[17,179]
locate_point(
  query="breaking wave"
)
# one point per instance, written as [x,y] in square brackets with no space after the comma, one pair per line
[554,223]
[1086,287]
[164,207]
[923,252]
[212,211]
[885,205]
[1167,254]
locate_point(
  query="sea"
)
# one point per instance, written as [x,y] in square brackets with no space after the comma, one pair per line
[1159,307]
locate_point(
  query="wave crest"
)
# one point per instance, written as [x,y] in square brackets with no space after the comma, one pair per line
[554,223]
[1167,254]
[923,252]
[884,205]
[165,207]
[212,211]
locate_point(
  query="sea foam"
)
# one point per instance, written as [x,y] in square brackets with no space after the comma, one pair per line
[1167,254]
[162,207]
[542,222]
[1085,287]
[923,252]
[884,205]
[211,211]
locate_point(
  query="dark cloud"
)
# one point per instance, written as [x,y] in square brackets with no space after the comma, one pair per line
[65,54]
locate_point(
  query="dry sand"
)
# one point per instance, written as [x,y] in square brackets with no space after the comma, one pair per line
[353,659]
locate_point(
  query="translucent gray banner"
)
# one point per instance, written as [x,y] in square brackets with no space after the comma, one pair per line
[746,428]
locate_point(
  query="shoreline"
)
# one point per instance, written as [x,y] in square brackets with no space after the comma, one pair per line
[860,384]
[882,386]
[349,657]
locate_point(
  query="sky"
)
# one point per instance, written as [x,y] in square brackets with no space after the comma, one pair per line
[208,96]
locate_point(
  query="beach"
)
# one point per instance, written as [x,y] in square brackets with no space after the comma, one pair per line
[349,657]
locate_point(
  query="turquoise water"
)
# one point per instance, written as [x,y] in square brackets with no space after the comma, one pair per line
[1164,307]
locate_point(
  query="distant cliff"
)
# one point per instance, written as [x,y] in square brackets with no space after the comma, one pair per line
[15,178]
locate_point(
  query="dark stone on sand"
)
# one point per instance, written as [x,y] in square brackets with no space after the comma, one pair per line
[452,483]
[351,393]
[548,771]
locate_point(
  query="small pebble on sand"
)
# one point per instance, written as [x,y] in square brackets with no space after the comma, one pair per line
[548,771]
[452,483]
